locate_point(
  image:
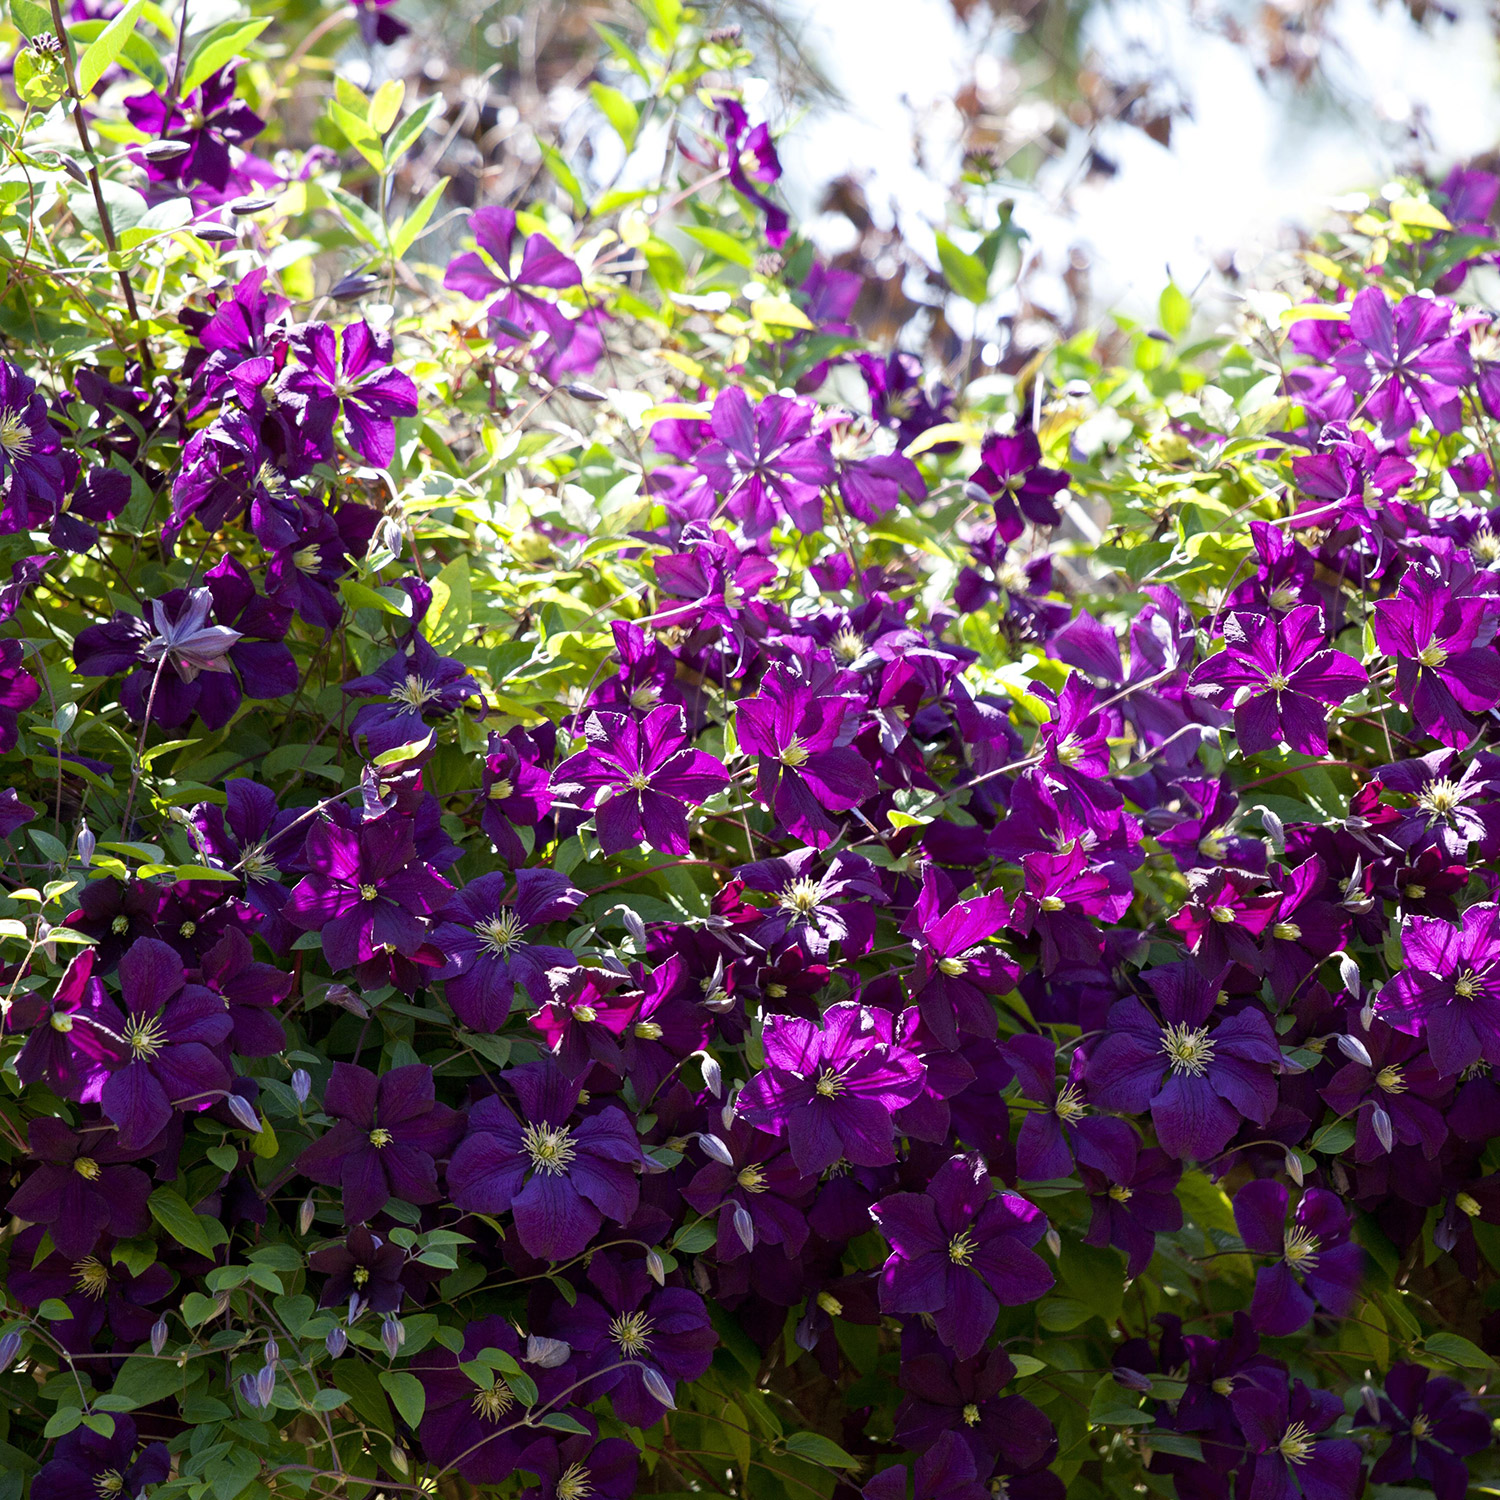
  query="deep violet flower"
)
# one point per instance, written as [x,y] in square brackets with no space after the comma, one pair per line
[582,1465]
[946,1471]
[639,777]
[831,1089]
[752,162]
[1450,807]
[209,122]
[559,1175]
[807,765]
[1012,476]
[1435,1424]
[86,1465]
[387,1133]
[366,892]
[1129,1209]
[251,991]
[32,476]
[1280,678]
[1448,990]
[1316,1263]
[75,1037]
[80,1188]
[350,368]
[517,792]
[1404,359]
[171,1028]
[761,1186]
[1198,1071]
[414,683]
[482,935]
[254,838]
[363,1265]
[1441,643]
[960,1251]
[18,691]
[634,1328]
[1281,1427]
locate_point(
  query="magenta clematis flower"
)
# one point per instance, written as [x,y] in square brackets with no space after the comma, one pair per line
[350,369]
[560,1175]
[806,763]
[960,1252]
[367,891]
[1404,359]
[208,122]
[515,286]
[483,936]
[387,1134]
[1316,1263]
[1449,989]
[33,479]
[75,1037]
[638,778]
[414,683]
[1012,476]
[1441,643]
[831,1089]
[766,461]
[1280,678]
[171,1030]
[752,162]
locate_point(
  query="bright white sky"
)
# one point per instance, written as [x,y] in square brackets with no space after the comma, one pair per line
[1248,164]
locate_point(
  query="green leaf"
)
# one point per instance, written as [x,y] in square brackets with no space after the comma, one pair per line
[1456,1350]
[407,133]
[563,175]
[1174,310]
[618,110]
[1112,1406]
[143,1381]
[1415,211]
[1333,1139]
[407,1393]
[362,219]
[55,1310]
[965,272]
[30,19]
[407,231]
[817,1449]
[358,134]
[196,1231]
[386,105]
[560,1421]
[725,246]
[223,43]
[106,47]
[624,51]
[452,607]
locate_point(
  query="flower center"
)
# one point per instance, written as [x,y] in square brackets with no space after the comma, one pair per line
[794,752]
[1012,578]
[638,781]
[62,1021]
[961,1248]
[1188,1049]
[1420,1427]
[1223,914]
[1466,984]
[574,1483]
[380,1138]
[648,1031]
[1069,751]
[551,1149]
[1468,1205]
[120,926]
[1485,546]
[501,933]
[829,1085]
[1432,655]
[416,692]
[368,892]
[110,1482]
[632,1332]
[1288,932]
[971,1415]
[1120,1193]
[848,646]
[145,1035]
[801,897]
[1052,903]
[1222,1386]
[1391,1080]
[1296,1444]
[1440,797]
[92,1276]
[1211,845]
[1276,682]
[953,967]
[646,697]
[16,437]
[1070,1106]
[1300,1248]
[256,864]
[361,1276]
[752,1179]
[87,1168]
[495,1402]
[502,789]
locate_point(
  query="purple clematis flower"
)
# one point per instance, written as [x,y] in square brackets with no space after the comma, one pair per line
[74,1037]
[560,1176]
[762,1188]
[832,1089]
[350,369]
[414,683]
[807,765]
[752,162]
[518,284]
[960,1252]
[638,778]
[86,1465]
[1281,1427]
[252,836]
[637,1329]
[517,792]
[1279,678]
[363,1266]
[1450,807]
[1435,1424]
[1011,475]
[1441,641]
[80,1188]
[33,479]
[1129,1209]
[208,122]
[387,1134]
[18,691]
[251,991]
[816,910]
[367,892]
[171,1028]
[1317,1265]
[1405,358]
[1198,1072]
[957,969]
[1449,988]
[583,1465]
[1397,1097]
[488,955]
